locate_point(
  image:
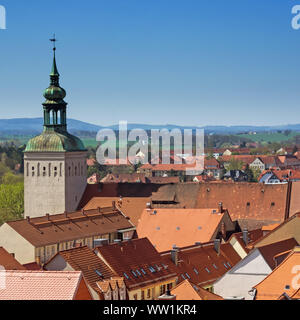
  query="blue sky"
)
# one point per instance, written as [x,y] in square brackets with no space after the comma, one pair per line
[186,62]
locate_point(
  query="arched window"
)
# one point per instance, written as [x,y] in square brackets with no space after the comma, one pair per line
[55,171]
[44,172]
[32,171]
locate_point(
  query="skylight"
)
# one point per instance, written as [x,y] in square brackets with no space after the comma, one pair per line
[208,271]
[183,277]
[215,266]
[137,271]
[99,273]
[225,265]
[126,276]
[152,269]
[188,275]
[196,271]
[134,273]
[144,272]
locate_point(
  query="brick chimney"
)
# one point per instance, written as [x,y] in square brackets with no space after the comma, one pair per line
[246,236]
[174,256]
[220,207]
[217,245]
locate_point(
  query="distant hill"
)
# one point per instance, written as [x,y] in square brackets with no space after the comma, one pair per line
[31,126]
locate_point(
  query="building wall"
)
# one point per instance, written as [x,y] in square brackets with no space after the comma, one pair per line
[53,182]
[83,292]
[242,277]
[13,242]
[155,290]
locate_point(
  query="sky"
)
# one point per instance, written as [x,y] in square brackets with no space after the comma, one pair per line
[184,62]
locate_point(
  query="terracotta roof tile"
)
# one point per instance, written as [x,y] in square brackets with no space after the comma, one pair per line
[76,225]
[180,227]
[281,279]
[131,207]
[8,261]
[189,291]
[201,264]
[40,285]
[85,260]
[138,262]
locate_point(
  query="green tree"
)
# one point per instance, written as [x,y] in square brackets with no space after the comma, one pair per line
[235,164]
[11,202]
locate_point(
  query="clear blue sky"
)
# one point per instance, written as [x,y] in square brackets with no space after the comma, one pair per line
[187,62]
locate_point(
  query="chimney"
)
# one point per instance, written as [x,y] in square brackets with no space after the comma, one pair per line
[28,219]
[245,236]
[48,216]
[167,296]
[66,214]
[12,254]
[174,256]
[217,244]
[82,211]
[114,205]
[220,206]
[148,205]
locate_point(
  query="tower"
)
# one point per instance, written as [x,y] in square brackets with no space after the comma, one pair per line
[55,168]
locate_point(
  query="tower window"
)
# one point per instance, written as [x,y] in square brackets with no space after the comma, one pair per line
[55,171]
[44,171]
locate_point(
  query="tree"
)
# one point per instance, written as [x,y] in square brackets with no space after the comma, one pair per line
[11,202]
[235,164]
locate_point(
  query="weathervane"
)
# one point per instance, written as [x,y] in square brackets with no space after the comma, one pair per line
[54,41]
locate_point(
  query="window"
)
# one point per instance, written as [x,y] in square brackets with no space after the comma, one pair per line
[137,271]
[55,171]
[143,295]
[144,272]
[134,273]
[207,270]
[126,276]
[196,271]
[149,293]
[248,204]
[162,289]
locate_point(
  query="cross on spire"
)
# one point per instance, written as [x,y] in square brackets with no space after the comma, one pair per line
[54,42]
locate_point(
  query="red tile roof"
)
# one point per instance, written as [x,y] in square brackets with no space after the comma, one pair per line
[283,279]
[138,262]
[131,207]
[189,291]
[85,260]
[180,227]
[201,264]
[8,262]
[71,226]
[40,285]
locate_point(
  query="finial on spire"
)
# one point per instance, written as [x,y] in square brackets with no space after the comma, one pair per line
[54,72]
[54,42]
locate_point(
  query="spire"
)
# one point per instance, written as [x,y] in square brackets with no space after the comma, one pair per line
[55,106]
[54,75]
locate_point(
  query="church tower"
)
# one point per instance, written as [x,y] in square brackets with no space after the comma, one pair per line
[55,171]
